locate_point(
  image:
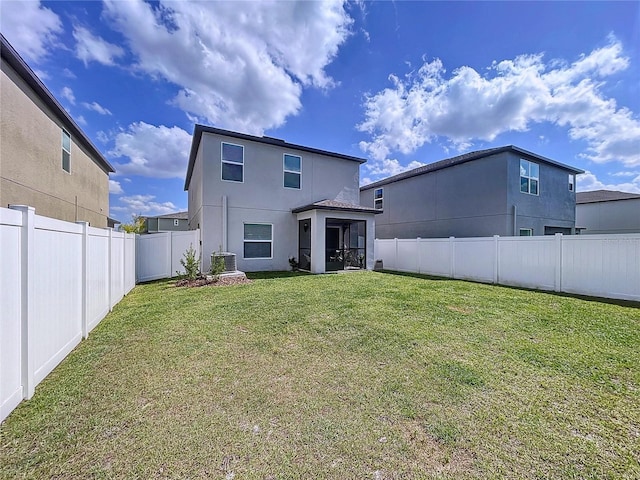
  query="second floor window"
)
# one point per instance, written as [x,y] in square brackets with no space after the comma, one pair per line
[66,151]
[377,198]
[232,162]
[529,177]
[572,182]
[292,171]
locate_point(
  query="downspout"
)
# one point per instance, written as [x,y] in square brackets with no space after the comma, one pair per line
[224,223]
[515,220]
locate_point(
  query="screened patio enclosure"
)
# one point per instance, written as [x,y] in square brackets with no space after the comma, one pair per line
[345,244]
[335,236]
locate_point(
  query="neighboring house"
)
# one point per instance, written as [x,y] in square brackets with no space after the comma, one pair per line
[607,211]
[500,191]
[171,222]
[267,200]
[46,161]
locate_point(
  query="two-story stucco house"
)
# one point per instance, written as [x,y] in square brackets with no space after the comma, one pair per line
[46,160]
[499,191]
[267,200]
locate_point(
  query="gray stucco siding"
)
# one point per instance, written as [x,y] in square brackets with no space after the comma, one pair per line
[263,185]
[619,216]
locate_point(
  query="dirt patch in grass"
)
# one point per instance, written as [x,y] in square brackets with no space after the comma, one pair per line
[434,455]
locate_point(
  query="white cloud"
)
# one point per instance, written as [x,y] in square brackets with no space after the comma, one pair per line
[67,93]
[115,187]
[92,48]
[389,167]
[626,173]
[30,27]
[160,152]
[102,136]
[142,205]
[588,181]
[68,73]
[239,65]
[426,105]
[81,120]
[96,107]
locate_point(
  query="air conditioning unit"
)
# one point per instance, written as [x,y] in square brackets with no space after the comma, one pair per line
[228,258]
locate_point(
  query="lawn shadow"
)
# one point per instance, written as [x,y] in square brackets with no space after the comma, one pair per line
[588,298]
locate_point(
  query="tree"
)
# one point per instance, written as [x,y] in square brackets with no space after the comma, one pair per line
[137,225]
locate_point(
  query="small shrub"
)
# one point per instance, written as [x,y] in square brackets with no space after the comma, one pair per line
[190,263]
[217,266]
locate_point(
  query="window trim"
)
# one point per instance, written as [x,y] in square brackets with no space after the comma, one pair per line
[572,182]
[64,150]
[223,161]
[285,171]
[244,240]
[530,230]
[176,222]
[529,178]
[381,199]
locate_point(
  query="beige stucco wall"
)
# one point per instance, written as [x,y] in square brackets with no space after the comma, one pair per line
[31,160]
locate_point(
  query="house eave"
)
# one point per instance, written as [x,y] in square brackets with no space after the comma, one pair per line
[15,61]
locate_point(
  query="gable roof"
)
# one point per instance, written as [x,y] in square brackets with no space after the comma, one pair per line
[604,196]
[468,157]
[200,129]
[15,61]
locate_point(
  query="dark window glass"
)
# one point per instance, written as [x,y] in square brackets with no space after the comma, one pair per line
[257,249]
[232,172]
[291,180]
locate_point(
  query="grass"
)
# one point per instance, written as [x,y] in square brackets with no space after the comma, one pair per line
[363,375]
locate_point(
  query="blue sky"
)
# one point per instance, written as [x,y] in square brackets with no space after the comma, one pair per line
[399,83]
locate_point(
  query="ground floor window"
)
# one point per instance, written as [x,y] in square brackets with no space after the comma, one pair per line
[526,232]
[258,240]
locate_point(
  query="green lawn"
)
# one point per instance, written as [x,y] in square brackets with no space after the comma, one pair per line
[357,376]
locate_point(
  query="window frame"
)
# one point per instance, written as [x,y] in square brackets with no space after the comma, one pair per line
[572,182]
[176,222]
[64,150]
[285,170]
[381,199]
[530,234]
[529,177]
[245,241]
[230,162]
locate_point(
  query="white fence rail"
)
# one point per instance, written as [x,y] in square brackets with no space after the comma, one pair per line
[597,265]
[159,254]
[58,280]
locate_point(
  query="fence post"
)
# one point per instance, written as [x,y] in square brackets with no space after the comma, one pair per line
[419,253]
[27,307]
[109,272]
[85,277]
[558,272]
[452,258]
[496,256]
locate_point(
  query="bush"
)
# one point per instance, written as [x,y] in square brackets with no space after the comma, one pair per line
[190,263]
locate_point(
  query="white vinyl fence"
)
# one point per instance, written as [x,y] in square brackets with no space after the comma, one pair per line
[159,254]
[57,281]
[597,265]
